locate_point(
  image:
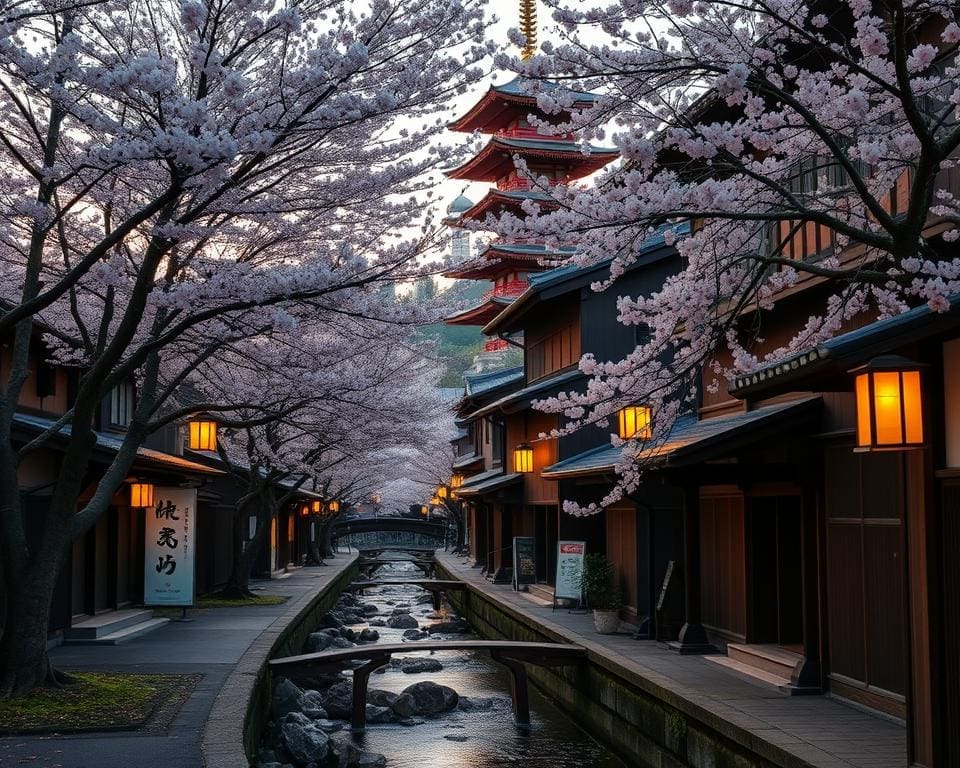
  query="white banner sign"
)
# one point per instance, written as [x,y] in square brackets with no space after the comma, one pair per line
[569,568]
[168,547]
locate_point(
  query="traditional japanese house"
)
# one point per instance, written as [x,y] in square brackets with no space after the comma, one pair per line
[561,318]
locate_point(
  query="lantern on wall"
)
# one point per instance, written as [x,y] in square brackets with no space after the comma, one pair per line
[633,422]
[442,491]
[304,510]
[456,481]
[523,458]
[316,506]
[141,495]
[333,507]
[889,404]
[203,435]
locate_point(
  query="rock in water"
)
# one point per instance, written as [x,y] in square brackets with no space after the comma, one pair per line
[311,704]
[402,621]
[369,610]
[381,698]
[338,700]
[432,699]
[404,705]
[286,699]
[376,715]
[413,666]
[415,634]
[351,756]
[369,636]
[304,740]
[452,627]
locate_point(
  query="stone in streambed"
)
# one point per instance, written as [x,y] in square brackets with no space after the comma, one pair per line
[338,700]
[452,627]
[413,666]
[304,741]
[369,636]
[430,698]
[415,634]
[369,610]
[286,699]
[377,623]
[311,704]
[402,621]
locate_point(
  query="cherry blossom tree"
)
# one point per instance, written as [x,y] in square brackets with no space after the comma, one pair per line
[780,145]
[177,175]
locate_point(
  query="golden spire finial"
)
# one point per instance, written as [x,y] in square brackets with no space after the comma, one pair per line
[528,25]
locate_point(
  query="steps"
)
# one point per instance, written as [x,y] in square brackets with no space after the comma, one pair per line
[113,627]
[768,664]
[543,592]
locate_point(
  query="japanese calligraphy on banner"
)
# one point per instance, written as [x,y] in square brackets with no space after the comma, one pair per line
[168,547]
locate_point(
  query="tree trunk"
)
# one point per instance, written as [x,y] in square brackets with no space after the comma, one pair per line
[238,585]
[24,663]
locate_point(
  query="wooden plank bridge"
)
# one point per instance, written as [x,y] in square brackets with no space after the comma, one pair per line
[375,552]
[436,587]
[512,655]
[367,567]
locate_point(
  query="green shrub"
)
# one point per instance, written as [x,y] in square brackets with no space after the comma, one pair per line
[597,583]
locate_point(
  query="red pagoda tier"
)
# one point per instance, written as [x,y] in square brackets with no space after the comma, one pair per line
[503,111]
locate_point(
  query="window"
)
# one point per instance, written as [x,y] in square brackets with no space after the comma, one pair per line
[497,452]
[121,404]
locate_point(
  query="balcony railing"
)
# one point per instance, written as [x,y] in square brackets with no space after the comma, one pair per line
[529,132]
[512,288]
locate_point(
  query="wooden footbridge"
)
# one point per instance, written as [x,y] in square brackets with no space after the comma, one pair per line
[512,655]
[436,587]
[368,566]
[375,552]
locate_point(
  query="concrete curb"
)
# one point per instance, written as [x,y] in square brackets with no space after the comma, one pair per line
[225,733]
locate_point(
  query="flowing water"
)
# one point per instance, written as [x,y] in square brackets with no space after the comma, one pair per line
[469,738]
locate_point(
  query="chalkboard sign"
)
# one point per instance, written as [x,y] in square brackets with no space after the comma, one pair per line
[666,585]
[524,561]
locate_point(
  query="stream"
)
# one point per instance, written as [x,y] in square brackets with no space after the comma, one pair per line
[480,731]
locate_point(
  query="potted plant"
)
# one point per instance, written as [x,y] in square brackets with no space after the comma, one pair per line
[597,583]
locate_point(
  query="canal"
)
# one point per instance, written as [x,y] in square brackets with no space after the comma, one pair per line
[480,731]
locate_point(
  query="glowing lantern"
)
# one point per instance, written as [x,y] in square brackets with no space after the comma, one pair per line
[316,507]
[304,510]
[203,435]
[334,507]
[634,422]
[889,404]
[456,481]
[141,495]
[442,491]
[523,458]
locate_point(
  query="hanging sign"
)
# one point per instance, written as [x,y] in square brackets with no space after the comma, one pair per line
[569,568]
[524,561]
[168,547]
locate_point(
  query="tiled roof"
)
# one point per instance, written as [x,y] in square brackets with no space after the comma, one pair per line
[478,383]
[687,436]
[531,392]
[515,88]
[555,145]
[849,348]
[466,460]
[486,482]
[113,442]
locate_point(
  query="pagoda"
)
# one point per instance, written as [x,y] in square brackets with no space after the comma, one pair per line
[502,115]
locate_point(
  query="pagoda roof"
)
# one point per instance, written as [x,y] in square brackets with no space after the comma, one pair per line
[482,313]
[497,200]
[498,258]
[495,160]
[502,104]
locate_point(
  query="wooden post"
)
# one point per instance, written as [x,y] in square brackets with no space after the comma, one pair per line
[361,676]
[693,637]
[519,692]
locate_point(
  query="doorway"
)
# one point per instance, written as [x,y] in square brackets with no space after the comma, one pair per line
[774,569]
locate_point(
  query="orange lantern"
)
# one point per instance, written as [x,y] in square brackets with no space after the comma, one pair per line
[141,495]
[203,435]
[316,507]
[523,458]
[334,507]
[889,404]
[633,422]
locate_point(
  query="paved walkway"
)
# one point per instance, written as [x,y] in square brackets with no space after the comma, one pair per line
[210,645]
[815,731]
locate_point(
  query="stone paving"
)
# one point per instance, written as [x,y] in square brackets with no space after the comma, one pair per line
[819,731]
[212,645]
